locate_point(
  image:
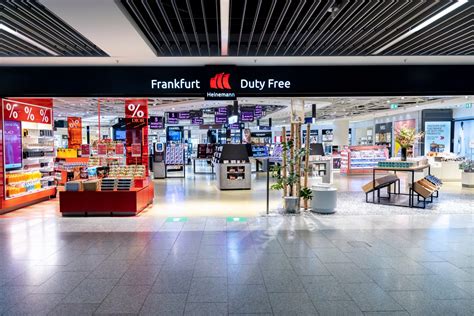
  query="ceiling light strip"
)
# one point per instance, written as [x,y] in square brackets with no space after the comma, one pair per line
[224,17]
[27,39]
[421,26]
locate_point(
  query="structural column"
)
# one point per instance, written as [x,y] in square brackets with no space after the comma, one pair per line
[341,133]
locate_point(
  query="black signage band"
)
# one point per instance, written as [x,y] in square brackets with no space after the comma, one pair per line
[236,81]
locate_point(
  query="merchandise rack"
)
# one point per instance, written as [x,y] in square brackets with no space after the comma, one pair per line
[175,156]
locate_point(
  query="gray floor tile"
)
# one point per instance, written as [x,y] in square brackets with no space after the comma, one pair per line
[74,309]
[274,262]
[85,263]
[205,309]
[390,280]
[61,283]
[282,281]
[110,269]
[467,287]
[180,261]
[91,291]
[331,255]
[244,274]
[124,299]
[173,281]
[36,304]
[140,275]
[438,287]
[397,313]
[11,295]
[212,252]
[347,273]
[415,302]
[371,298]
[248,299]
[338,308]
[34,276]
[308,266]
[164,304]
[208,290]
[324,288]
[210,268]
[291,304]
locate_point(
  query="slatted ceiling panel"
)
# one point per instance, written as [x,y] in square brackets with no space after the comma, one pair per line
[178,27]
[33,20]
[11,45]
[453,35]
[334,27]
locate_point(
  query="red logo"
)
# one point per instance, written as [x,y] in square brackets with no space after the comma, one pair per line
[220,81]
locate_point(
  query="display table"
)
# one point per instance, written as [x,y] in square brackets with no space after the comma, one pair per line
[325,172]
[29,198]
[106,202]
[411,181]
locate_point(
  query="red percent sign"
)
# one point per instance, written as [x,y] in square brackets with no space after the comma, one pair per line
[26,113]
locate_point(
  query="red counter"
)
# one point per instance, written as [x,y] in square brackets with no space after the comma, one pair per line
[106,202]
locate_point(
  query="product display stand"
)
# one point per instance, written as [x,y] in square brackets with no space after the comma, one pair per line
[414,188]
[361,159]
[233,168]
[207,160]
[175,157]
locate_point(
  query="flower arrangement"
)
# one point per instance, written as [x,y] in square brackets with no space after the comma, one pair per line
[467,166]
[406,137]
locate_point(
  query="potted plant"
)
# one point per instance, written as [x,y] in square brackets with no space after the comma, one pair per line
[406,138]
[288,176]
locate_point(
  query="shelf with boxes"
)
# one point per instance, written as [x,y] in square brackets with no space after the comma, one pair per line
[361,159]
[232,165]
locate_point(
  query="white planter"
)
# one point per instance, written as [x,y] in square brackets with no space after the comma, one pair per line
[467,179]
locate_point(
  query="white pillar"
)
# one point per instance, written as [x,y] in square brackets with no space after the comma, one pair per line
[341,133]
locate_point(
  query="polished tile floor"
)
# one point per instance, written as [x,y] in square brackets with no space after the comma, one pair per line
[403,264]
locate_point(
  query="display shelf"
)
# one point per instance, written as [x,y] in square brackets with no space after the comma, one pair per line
[361,159]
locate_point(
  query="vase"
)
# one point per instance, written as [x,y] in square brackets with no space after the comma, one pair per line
[404,154]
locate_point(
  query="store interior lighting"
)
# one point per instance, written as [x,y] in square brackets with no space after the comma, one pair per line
[421,26]
[26,39]
[225,16]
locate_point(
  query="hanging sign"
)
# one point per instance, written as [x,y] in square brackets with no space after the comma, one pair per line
[136,150]
[119,149]
[17,111]
[101,149]
[85,150]
[74,131]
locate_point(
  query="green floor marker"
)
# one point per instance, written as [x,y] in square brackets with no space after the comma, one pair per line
[236,219]
[176,219]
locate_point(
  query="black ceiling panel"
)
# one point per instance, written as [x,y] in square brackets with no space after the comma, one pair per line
[34,21]
[178,27]
[345,28]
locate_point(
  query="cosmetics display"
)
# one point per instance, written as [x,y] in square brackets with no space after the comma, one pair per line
[361,159]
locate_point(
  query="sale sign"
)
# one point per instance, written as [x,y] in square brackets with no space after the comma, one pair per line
[18,111]
[136,109]
[74,131]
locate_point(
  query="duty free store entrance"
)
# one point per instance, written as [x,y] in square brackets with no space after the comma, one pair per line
[293,67]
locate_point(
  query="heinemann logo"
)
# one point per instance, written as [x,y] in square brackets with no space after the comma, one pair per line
[220,81]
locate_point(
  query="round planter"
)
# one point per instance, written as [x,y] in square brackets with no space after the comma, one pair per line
[291,204]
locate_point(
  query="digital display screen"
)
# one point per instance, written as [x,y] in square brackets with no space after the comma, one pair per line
[183,116]
[220,115]
[173,118]
[197,121]
[156,122]
[247,115]
[258,111]
[13,147]
[120,134]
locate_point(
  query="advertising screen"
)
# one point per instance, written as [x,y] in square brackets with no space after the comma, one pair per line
[13,148]
[437,137]
[463,138]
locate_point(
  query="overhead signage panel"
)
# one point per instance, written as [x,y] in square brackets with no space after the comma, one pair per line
[229,82]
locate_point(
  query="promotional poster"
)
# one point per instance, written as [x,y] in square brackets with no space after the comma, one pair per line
[437,137]
[13,148]
[463,138]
